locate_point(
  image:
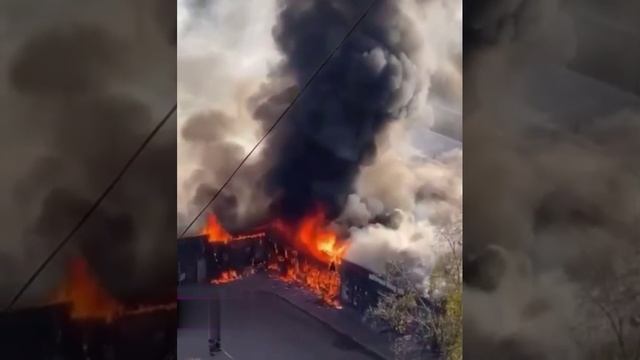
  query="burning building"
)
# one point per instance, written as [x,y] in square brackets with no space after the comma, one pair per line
[191,257]
[360,287]
[84,321]
[354,144]
[52,332]
[308,254]
[348,145]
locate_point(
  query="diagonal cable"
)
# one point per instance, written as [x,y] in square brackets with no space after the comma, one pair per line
[286,110]
[91,210]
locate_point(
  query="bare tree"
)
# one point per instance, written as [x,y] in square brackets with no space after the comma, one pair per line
[446,290]
[428,319]
[612,305]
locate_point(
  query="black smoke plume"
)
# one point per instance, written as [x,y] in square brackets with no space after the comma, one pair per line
[331,131]
[314,155]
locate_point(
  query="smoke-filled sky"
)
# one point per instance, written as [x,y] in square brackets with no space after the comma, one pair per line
[551,197]
[79,94]
[376,140]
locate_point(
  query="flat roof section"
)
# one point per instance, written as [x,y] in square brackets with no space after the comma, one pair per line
[264,319]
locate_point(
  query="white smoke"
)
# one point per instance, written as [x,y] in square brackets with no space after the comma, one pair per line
[420,188]
[225,52]
[420,196]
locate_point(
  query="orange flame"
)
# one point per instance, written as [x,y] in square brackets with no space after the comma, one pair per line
[214,230]
[320,240]
[89,301]
[145,309]
[226,277]
[314,235]
[323,243]
[257,235]
[311,234]
[323,283]
[87,298]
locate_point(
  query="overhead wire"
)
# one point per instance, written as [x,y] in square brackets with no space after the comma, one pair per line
[279,119]
[97,202]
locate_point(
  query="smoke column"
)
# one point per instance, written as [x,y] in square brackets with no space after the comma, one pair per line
[331,132]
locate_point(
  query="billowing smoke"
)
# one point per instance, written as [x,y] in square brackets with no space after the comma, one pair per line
[358,143]
[216,123]
[551,195]
[370,82]
[82,96]
[401,210]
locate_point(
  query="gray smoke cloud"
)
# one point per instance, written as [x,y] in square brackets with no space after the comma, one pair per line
[209,133]
[81,96]
[401,209]
[216,123]
[550,206]
[411,192]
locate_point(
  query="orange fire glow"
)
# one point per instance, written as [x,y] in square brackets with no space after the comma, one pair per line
[87,298]
[322,282]
[314,235]
[89,301]
[323,243]
[145,309]
[226,277]
[214,230]
[257,235]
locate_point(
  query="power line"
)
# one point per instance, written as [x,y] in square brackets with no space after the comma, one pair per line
[93,207]
[286,110]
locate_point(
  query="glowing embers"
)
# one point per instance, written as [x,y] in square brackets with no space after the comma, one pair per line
[226,277]
[311,257]
[257,235]
[322,280]
[89,301]
[146,309]
[216,233]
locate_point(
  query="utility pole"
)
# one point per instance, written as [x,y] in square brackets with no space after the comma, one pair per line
[215,323]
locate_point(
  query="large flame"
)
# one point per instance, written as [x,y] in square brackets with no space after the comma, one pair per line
[322,282]
[315,236]
[311,235]
[88,300]
[214,230]
[321,240]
